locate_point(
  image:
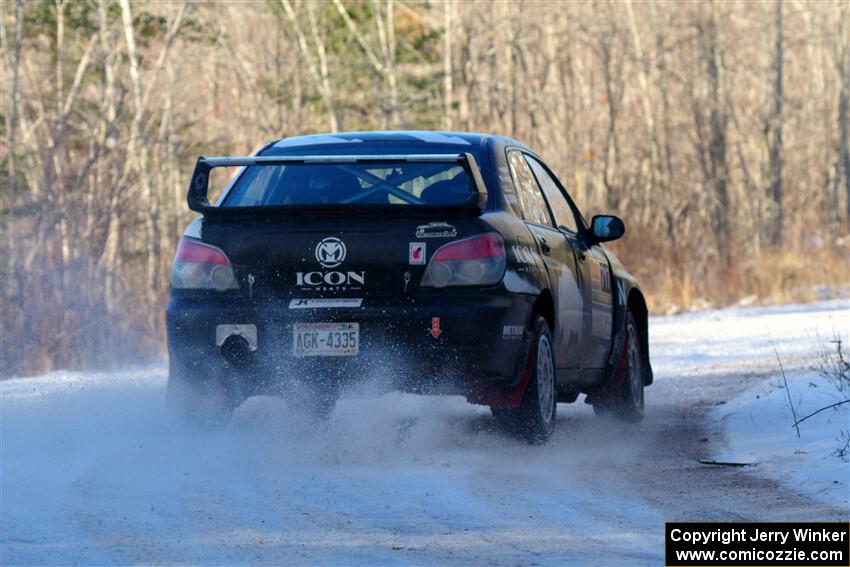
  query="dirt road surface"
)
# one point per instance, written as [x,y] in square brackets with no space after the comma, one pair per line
[95,470]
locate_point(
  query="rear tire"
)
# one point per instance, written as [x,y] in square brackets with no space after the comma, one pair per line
[203,402]
[534,419]
[628,405]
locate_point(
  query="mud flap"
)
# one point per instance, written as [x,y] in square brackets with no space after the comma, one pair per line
[616,370]
[509,396]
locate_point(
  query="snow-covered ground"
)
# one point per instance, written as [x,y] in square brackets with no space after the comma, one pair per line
[758,427]
[757,424]
[743,339]
[94,470]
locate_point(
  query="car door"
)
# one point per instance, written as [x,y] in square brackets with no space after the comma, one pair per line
[589,293]
[559,259]
[569,291]
[598,304]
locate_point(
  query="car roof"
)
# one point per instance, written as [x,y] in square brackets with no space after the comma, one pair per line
[390,136]
[484,147]
[422,140]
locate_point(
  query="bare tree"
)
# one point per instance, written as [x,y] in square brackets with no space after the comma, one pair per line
[448,69]
[775,127]
[316,62]
[675,116]
[381,58]
[842,64]
[12,62]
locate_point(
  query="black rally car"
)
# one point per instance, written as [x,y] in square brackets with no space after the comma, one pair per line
[442,262]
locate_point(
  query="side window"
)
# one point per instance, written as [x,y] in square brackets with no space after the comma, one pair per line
[530,198]
[564,216]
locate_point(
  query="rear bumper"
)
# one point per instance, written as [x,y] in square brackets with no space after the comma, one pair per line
[477,344]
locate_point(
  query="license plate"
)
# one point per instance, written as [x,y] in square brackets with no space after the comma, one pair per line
[325,339]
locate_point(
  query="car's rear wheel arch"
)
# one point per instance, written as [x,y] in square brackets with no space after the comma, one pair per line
[545,307]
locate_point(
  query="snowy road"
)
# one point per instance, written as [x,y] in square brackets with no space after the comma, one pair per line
[96,471]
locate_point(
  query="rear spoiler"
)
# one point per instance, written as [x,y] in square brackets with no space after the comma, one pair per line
[198,200]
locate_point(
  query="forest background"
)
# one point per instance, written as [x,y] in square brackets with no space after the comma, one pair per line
[717,130]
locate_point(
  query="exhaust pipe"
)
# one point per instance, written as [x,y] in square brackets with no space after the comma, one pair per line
[236,351]
[237,343]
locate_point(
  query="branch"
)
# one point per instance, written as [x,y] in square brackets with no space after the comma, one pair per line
[835,405]
[316,68]
[170,35]
[352,27]
[312,66]
[727,464]
[787,391]
[78,78]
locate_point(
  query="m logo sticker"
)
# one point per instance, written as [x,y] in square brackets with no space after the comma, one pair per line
[330,252]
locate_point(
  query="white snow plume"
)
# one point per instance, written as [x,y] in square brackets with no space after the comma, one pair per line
[97,470]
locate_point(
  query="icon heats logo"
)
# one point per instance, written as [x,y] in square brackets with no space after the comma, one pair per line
[330,252]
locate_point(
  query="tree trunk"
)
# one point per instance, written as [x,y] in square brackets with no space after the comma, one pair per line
[718,167]
[138,150]
[775,159]
[322,85]
[14,65]
[448,85]
[842,162]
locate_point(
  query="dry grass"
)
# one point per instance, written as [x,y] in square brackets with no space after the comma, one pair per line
[771,278]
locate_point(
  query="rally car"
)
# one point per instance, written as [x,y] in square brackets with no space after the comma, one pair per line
[449,263]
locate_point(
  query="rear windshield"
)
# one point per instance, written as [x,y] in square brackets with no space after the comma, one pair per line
[373,183]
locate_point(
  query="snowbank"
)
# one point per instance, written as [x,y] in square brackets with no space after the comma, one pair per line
[758,429]
[757,425]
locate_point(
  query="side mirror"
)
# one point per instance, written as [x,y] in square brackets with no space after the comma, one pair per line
[604,228]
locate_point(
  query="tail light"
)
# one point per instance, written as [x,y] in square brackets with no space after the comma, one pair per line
[479,260]
[201,266]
